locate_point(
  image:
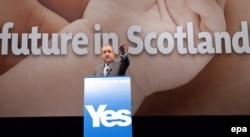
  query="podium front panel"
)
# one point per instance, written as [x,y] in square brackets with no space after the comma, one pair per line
[107,107]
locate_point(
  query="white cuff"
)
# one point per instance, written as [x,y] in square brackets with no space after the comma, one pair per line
[123,56]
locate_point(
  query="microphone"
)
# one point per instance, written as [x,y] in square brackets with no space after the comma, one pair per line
[108,70]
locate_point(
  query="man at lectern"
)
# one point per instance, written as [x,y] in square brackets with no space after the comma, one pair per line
[111,66]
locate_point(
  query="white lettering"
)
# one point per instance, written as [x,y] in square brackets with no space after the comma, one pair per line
[238,129]
[243,36]
[153,43]
[134,39]
[109,118]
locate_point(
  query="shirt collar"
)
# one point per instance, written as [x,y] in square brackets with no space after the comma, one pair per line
[106,64]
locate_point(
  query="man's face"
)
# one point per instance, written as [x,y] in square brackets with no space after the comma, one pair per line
[107,54]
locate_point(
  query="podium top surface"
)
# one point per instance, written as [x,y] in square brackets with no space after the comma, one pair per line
[105,76]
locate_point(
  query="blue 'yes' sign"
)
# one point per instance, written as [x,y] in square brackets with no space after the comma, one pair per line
[107,107]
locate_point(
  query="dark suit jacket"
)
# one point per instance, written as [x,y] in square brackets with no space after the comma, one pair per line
[118,68]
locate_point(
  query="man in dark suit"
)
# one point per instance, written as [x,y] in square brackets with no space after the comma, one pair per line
[111,66]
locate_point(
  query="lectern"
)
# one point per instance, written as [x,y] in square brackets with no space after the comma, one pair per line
[107,107]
